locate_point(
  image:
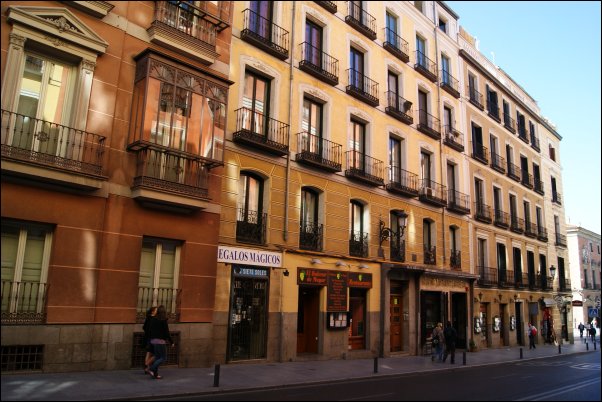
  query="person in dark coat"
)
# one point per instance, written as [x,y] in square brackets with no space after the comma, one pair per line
[159,338]
[148,359]
[451,335]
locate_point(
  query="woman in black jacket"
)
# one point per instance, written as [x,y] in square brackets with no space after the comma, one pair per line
[148,359]
[159,338]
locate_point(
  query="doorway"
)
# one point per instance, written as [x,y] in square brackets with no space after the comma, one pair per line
[519,322]
[459,317]
[503,333]
[307,319]
[395,303]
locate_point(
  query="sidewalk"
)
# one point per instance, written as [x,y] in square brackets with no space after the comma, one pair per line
[128,384]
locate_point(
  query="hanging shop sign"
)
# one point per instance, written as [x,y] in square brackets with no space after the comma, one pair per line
[238,255]
[577,303]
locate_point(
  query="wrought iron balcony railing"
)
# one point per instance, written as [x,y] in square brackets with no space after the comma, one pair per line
[171,172]
[535,143]
[329,5]
[556,197]
[453,138]
[402,182]
[455,259]
[149,297]
[564,285]
[358,244]
[360,19]
[396,45]
[542,233]
[310,236]
[450,84]
[505,278]
[560,240]
[522,134]
[526,178]
[517,225]
[362,88]
[458,202]
[430,255]
[429,124]
[365,168]
[433,193]
[23,303]
[398,249]
[399,107]
[480,153]
[530,229]
[475,97]
[501,219]
[493,110]
[498,162]
[319,64]
[264,34]
[547,282]
[487,276]
[251,226]
[318,152]
[425,66]
[514,171]
[260,131]
[538,186]
[40,142]
[482,212]
[509,123]
[534,280]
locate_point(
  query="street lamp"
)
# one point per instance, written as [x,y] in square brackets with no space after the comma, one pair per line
[385,233]
[552,271]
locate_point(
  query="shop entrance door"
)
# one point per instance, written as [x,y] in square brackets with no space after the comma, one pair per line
[307,319]
[395,322]
[459,317]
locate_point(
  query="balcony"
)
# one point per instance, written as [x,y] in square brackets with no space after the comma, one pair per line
[358,244]
[534,281]
[475,97]
[450,84]
[256,130]
[517,225]
[493,110]
[318,152]
[530,229]
[458,202]
[564,285]
[363,168]
[328,5]
[482,212]
[399,108]
[319,64]
[149,297]
[429,124]
[498,163]
[23,303]
[264,34]
[396,45]
[522,134]
[560,240]
[505,278]
[542,233]
[556,198]
[501,219]
[433,193]
[52,153]
[361,20]
[479,152]
[402,182]
[455,260]
[487,276]
[192,28]
[535,143]
[526,179]
[310,236]
[430,255]
[362,88]
[398,249]
[514,171]
[547,282]
[251,226]
[170,179]
[425,66]
[538,186]
[509,123]
[453,138]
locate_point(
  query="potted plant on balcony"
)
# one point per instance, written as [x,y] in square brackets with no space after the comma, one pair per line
[407,105]
[472,346]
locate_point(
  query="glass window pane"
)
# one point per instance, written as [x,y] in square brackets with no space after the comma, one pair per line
[10,243]
[168,263]
[147,264]
[32,259]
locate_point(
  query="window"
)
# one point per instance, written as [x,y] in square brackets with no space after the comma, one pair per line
[518,264]
[313,37]
[357,144]
[159,275]
[492,107]
[445,70]
[448,120]
[591,247]
[421,52]
[478,193]
[419,5]
[391,30]
[256,103]
[395,162]
[451,179]
[310,237]
[472,87]
[442,24]
[25,258]
[585,281]
[423,109]
[477,141]
[356,65]
[527,212]
[481,253]
[506,107]
[311,126]
[358,241]
[425,168]
[428,239]
[260,18]
[453,238]
[250,227]
[539,217]
[497,201]
[501,261]
[552,152]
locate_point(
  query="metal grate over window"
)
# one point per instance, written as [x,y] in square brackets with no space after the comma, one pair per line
[139,350]
[22,357]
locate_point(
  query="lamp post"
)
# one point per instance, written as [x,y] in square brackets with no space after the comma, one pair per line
[384,233]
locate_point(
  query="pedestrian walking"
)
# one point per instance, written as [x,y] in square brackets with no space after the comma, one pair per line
[450,335]
[532,333]
[438,339]
[592,332]
[159,338]
[581,328]
[149,357]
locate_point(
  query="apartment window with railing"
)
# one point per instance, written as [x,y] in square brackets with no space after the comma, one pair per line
[455,260]
[358,238]
[492,103]
[501,264]
[158,282]
[25,259]
[585,281]
[251,221]
[310,236]
[428,239]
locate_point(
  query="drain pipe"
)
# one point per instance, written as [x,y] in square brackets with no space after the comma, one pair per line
[290,114]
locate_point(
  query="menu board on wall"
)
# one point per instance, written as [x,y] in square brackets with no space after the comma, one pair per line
[336,294]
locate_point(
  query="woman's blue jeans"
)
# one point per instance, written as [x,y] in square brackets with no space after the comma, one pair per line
[160,352]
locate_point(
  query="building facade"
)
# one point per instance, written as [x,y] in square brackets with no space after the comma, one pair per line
[584,260]
[113,123]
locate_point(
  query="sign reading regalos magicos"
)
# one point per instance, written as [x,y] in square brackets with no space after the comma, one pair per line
[236,255]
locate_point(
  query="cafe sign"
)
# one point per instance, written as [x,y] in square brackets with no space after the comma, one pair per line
[245,256]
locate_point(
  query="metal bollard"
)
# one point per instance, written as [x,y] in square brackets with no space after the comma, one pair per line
[376,365]
[594,345]
[559,350]
[586,345]
[464,358]
[216,376]
[521,353]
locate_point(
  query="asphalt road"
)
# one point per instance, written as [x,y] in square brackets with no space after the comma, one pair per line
[561,378]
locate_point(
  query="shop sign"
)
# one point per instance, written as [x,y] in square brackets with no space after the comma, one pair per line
[250,271]
[360,280]
[316,277]
[336,295]
[237,255]
[577,303]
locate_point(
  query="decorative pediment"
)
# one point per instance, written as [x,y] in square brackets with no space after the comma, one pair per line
[58,22]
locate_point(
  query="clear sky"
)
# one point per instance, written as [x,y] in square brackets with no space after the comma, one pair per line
[552,49]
